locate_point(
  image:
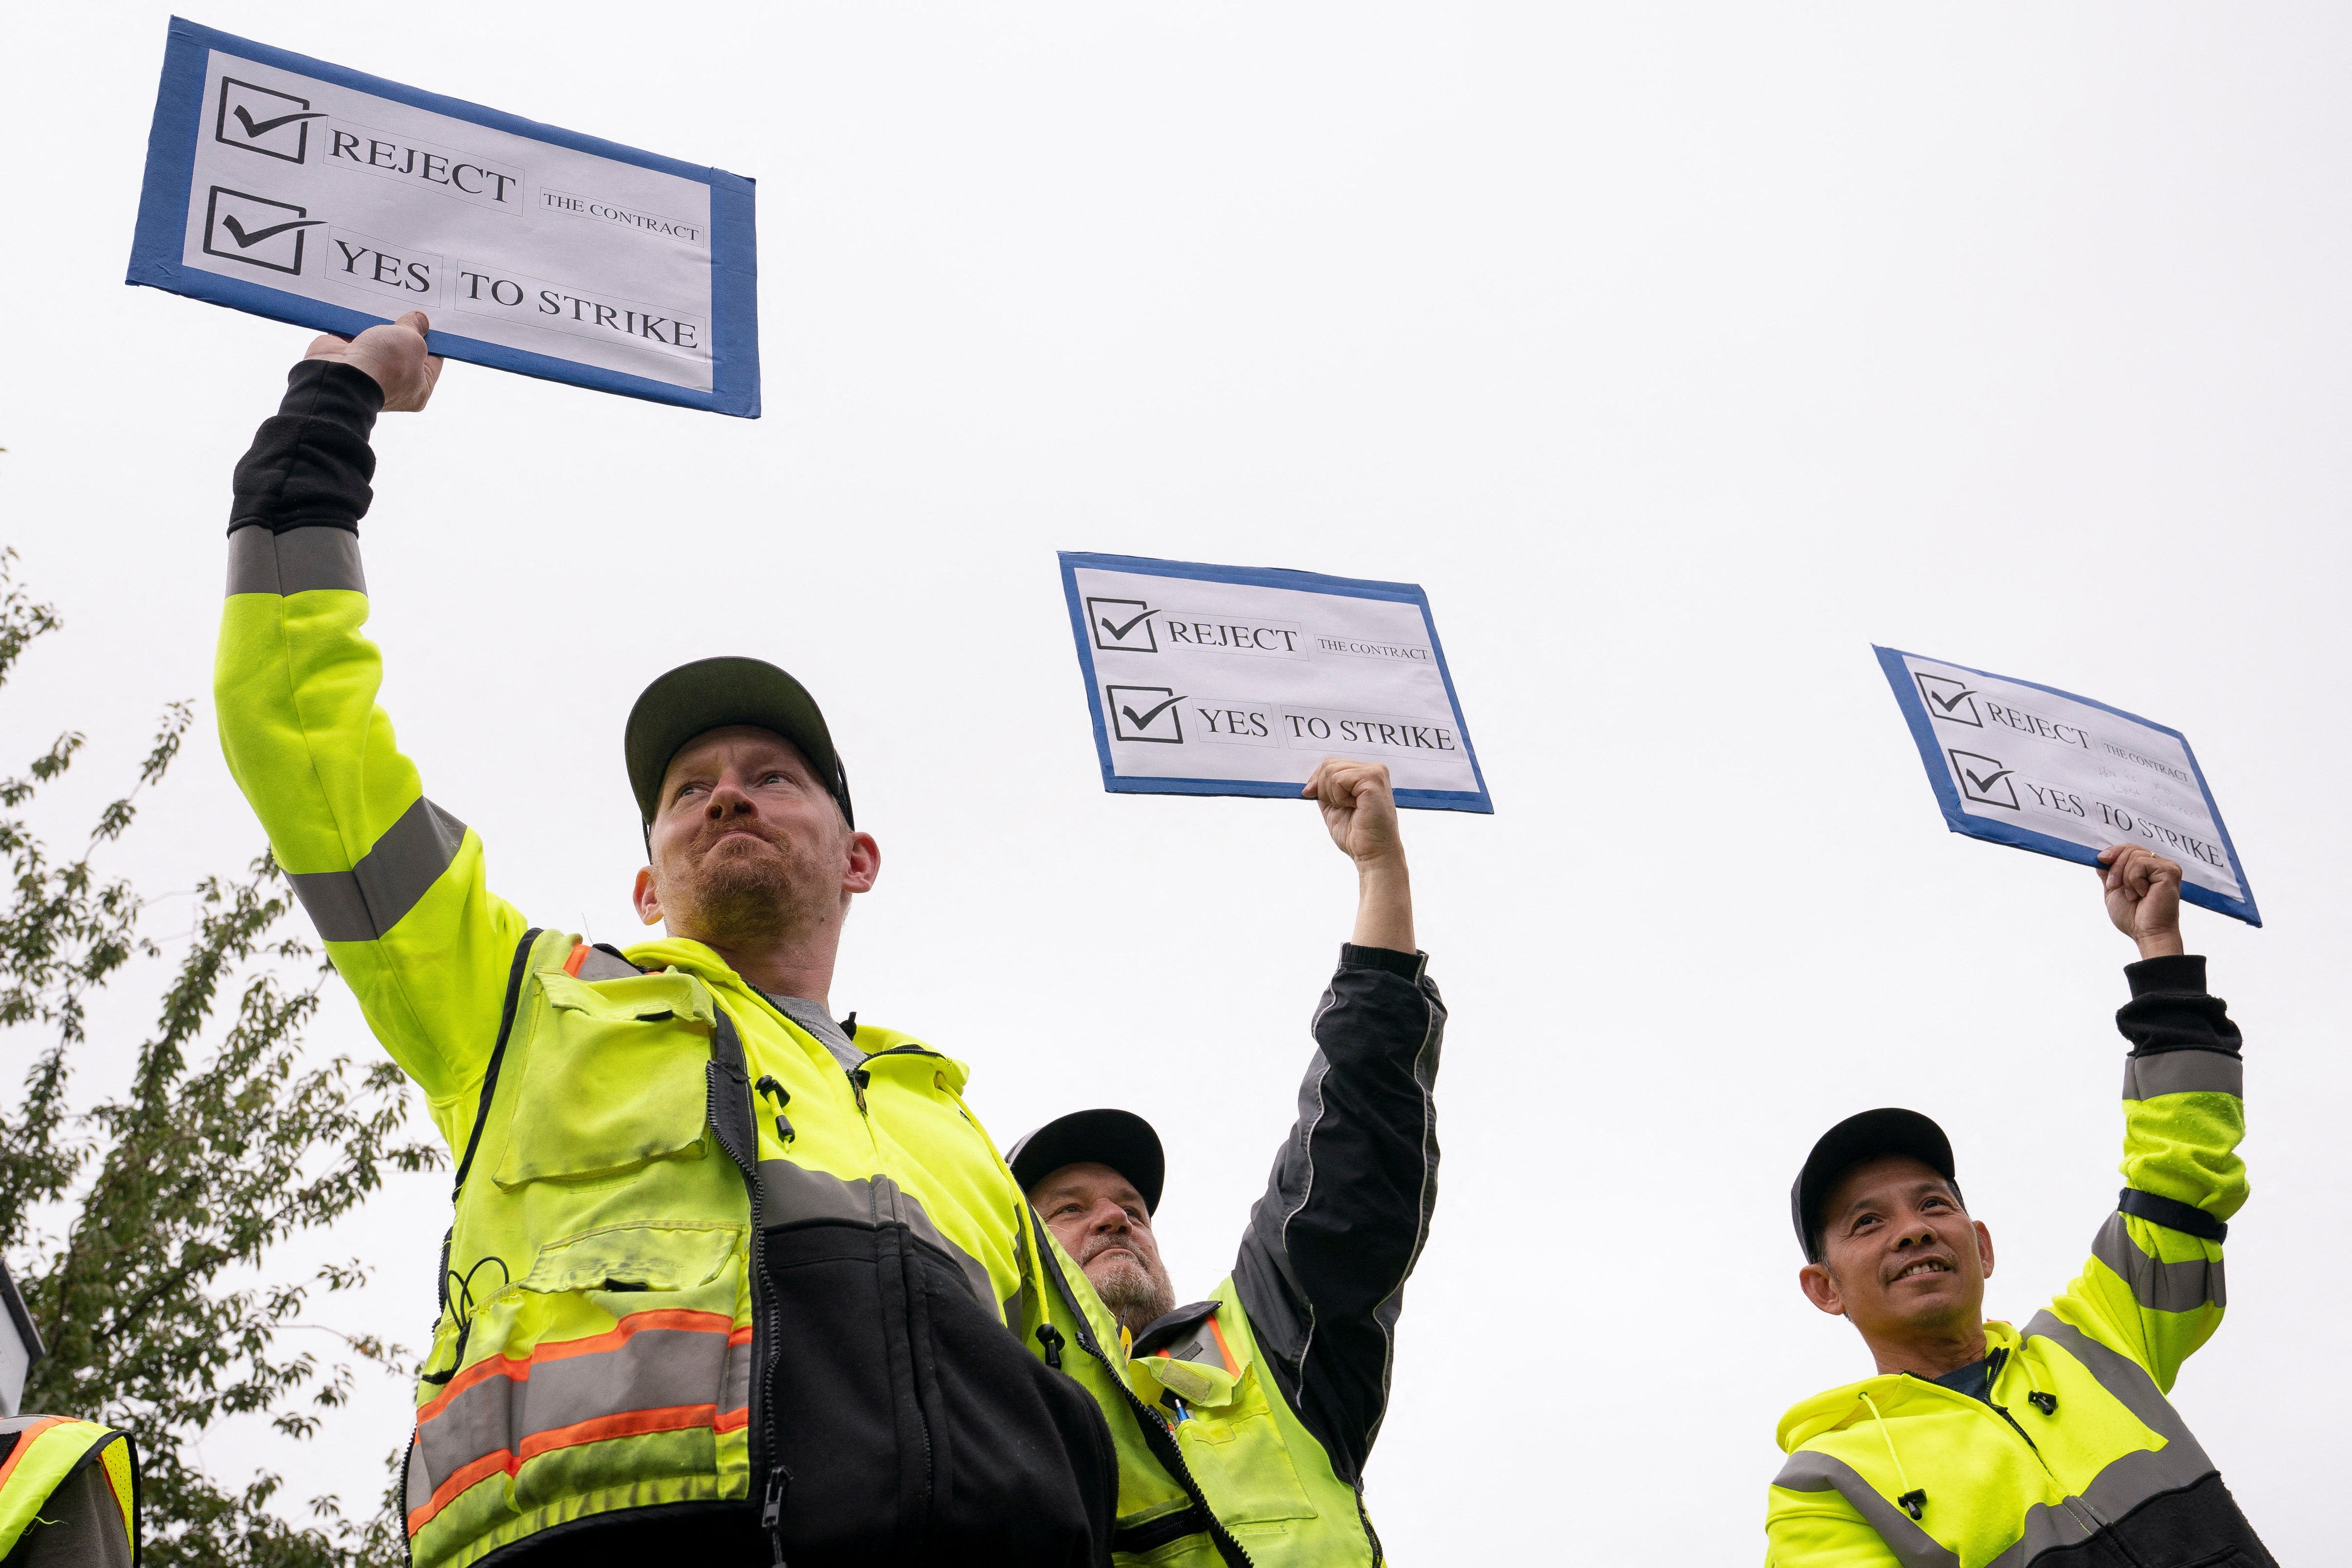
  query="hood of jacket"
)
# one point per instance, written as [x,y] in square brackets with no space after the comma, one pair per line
[1892,1391]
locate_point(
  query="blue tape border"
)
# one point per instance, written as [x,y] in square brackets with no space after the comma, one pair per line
[1931,753]
[171,167]
[1480,801]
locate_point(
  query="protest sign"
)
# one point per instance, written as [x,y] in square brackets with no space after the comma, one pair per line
[1235,681]
[306,193]
[2041,769]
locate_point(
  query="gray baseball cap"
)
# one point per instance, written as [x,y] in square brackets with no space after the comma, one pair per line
[710,694]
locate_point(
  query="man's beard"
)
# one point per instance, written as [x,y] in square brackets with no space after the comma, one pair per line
[1135,1295]
[740,898]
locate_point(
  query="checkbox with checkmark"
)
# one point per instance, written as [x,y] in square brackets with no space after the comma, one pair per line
[1122,626]
[256,230]
[1145,713]
[1984,781]
[262,120]
[1953,701]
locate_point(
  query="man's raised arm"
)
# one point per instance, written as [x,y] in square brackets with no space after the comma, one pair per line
[393,882]
[2153,1286]
[1323,1262]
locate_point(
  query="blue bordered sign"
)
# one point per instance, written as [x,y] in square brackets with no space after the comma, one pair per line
[1237,680]
[2042,769]
[307,193]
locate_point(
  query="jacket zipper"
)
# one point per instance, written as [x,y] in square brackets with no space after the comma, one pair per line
[2073,1503]
[764,1465]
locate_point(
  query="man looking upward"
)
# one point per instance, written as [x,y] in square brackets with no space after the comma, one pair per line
[1978,1444]
[728,1282]
[1276,1385]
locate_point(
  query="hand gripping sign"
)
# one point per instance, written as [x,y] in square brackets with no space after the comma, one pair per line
[306,193]
[1233,680]
[2039,769]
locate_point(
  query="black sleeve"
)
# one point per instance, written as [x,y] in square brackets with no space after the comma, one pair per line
[1323,1264]
[2171,1009]
[310,463]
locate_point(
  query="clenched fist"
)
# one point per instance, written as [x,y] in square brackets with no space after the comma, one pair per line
[393,355]
[2143,892]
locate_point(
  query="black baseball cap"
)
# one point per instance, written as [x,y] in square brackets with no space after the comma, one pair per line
[710,694]
[1119,1138]
[1888,1130]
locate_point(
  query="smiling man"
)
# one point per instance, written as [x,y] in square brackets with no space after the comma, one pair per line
[1276,1386]
[728,1282]
[1978,1444]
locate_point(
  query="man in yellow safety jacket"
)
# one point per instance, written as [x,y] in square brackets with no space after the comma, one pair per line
[1979,1444]
[727,1281]
[1276,1385]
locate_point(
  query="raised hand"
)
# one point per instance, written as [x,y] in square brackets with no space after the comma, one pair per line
[2143,891]
[393,355]
[1359,808]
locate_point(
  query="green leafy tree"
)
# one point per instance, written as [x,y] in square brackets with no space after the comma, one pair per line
[141,1228]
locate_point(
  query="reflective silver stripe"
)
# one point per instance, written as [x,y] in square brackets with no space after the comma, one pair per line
[649,1369]
[2160,1287]
[295,562]
[1809,1470]
[419,1491]
[790,1193]
[735,1393]
[2123,1377]
[2114,1492]
[369,900]
[2184,1072]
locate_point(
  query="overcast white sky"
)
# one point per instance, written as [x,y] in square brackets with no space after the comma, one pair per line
[1679,350]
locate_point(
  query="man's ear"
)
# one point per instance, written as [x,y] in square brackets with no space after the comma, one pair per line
[1984,1247]
[648,902]
[863,864]
[1821,1289]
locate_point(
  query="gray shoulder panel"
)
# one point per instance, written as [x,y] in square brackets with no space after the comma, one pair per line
[364,902]
[295,562]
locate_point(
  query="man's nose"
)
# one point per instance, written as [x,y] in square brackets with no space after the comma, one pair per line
[726,800]
[1109,1217]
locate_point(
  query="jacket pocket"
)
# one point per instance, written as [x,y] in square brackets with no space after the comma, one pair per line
[1238,1452]
[614,1079]
[612,1362]
[914,1425]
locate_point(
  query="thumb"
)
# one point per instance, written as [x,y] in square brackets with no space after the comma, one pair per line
[417,320]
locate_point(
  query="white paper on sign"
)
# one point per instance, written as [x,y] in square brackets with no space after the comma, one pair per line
[2037,768]
[1237,680]
[310,193]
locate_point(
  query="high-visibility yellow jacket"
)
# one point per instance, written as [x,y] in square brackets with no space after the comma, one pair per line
[1276,1386]
[68,1494]
[696,1259]
[2075,1443]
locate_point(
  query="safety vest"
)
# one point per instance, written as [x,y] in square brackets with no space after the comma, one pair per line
[629,1174]
[44,1453]
[1168,1517]
[1263,1473]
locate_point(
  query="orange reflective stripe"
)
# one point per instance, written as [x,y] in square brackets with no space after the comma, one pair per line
[25,1444]
[661,1371]
[1232,1363]
[519,1367]
[580,952]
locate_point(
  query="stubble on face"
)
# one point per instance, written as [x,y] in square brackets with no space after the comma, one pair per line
[734,892]
[1138,1293]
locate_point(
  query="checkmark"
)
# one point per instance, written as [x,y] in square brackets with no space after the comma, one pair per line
[1982,784]
[1122,631]
[1143,720]
[264,127]
[1965,693]
[247,241]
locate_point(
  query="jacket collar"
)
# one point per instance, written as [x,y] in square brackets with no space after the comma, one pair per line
[1895,1393]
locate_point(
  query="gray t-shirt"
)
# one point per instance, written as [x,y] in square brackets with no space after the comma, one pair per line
[811,1016]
